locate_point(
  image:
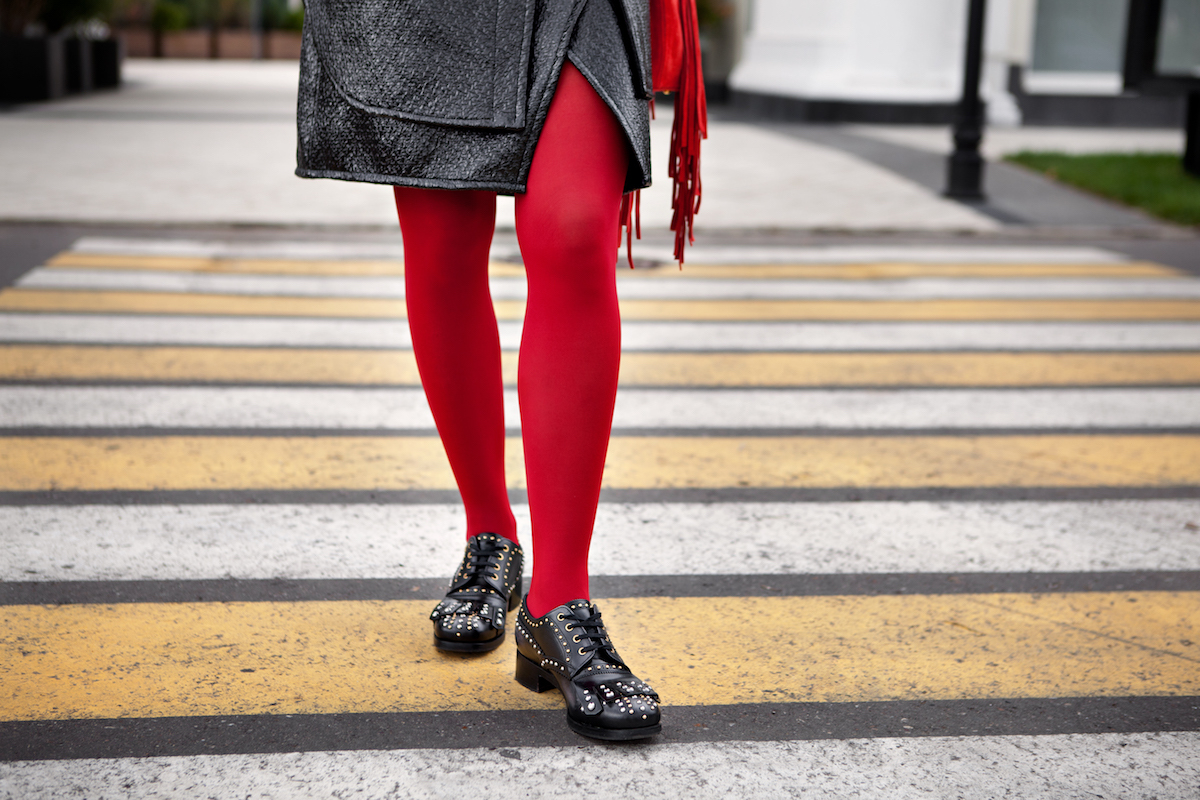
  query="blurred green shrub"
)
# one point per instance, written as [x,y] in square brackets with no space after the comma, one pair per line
[205,13]
[709,13]
[168,15]
[277,16]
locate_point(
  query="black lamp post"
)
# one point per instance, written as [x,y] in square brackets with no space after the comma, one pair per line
[964,169]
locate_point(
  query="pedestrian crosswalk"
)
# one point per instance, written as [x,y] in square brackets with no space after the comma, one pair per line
[877,521]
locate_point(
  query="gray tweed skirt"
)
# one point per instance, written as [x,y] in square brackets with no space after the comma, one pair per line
[351,141]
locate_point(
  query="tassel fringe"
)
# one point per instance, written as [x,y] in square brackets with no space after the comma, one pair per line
[690,125]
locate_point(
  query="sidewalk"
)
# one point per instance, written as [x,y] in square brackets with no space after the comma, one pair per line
[191,143]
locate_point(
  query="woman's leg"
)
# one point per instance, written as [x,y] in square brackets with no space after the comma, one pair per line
[571,344]
[447,235]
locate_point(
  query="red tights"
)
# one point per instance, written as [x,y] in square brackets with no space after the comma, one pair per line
[570,346]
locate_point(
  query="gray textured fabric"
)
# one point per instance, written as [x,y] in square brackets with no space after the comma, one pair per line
[423,93]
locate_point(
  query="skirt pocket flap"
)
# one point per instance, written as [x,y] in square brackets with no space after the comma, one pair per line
[453,62]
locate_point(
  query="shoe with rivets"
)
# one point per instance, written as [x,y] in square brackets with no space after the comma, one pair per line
[487,585]
[569,649]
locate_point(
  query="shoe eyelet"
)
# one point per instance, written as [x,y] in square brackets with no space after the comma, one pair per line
[561,617]
[581,651]
[575,638]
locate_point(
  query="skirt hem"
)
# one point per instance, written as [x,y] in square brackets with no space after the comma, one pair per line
[420,183]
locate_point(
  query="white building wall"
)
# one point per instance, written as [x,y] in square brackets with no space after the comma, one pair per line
[881,51]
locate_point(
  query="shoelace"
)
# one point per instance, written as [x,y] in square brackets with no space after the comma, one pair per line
[594,633]
[482,561]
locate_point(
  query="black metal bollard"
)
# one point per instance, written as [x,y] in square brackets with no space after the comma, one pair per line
[964,169]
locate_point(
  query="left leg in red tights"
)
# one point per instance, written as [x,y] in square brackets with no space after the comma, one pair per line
[571,343]
[447,235]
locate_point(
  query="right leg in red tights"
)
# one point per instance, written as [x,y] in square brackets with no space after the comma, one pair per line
[447,235]
[571,343]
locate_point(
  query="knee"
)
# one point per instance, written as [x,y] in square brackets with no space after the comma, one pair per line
[567,232]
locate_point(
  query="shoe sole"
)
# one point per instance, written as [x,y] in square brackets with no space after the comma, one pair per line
[536,679]
[452,646]
[614,734]
[447,646]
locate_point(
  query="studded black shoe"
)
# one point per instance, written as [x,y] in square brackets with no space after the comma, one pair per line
[486,587]
[569,649]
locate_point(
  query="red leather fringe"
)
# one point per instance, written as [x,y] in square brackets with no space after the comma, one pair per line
[630,221]
[690,125]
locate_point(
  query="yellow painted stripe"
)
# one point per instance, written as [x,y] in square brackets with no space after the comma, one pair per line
[277,266]
[211,364]
[192,659]
[397,367]
[258,266]
[34,463]
[121,302]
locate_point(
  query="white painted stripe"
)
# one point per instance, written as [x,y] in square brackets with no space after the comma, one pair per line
[382,409]
[391,248]
[893,336]
[871,254]
[1165,766]
[93,543]
[201,330]
[384,248]
[905,408]
[658,289]
[636,335]
[179,407]
[216,283]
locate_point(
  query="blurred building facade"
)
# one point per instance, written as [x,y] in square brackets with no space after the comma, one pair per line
[1050,62]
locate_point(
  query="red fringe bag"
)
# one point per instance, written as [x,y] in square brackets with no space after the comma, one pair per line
[675,67]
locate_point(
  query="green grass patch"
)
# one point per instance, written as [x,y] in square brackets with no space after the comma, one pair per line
[1153,182]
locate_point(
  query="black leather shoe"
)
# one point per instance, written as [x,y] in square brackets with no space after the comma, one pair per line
[569,649]
[486,587]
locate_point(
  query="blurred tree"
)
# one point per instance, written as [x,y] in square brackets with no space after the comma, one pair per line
[166,16]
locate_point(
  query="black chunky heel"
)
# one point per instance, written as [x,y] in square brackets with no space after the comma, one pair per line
[533,677]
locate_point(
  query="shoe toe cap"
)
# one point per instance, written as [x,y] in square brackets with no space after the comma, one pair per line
[465,628]
[636,711]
